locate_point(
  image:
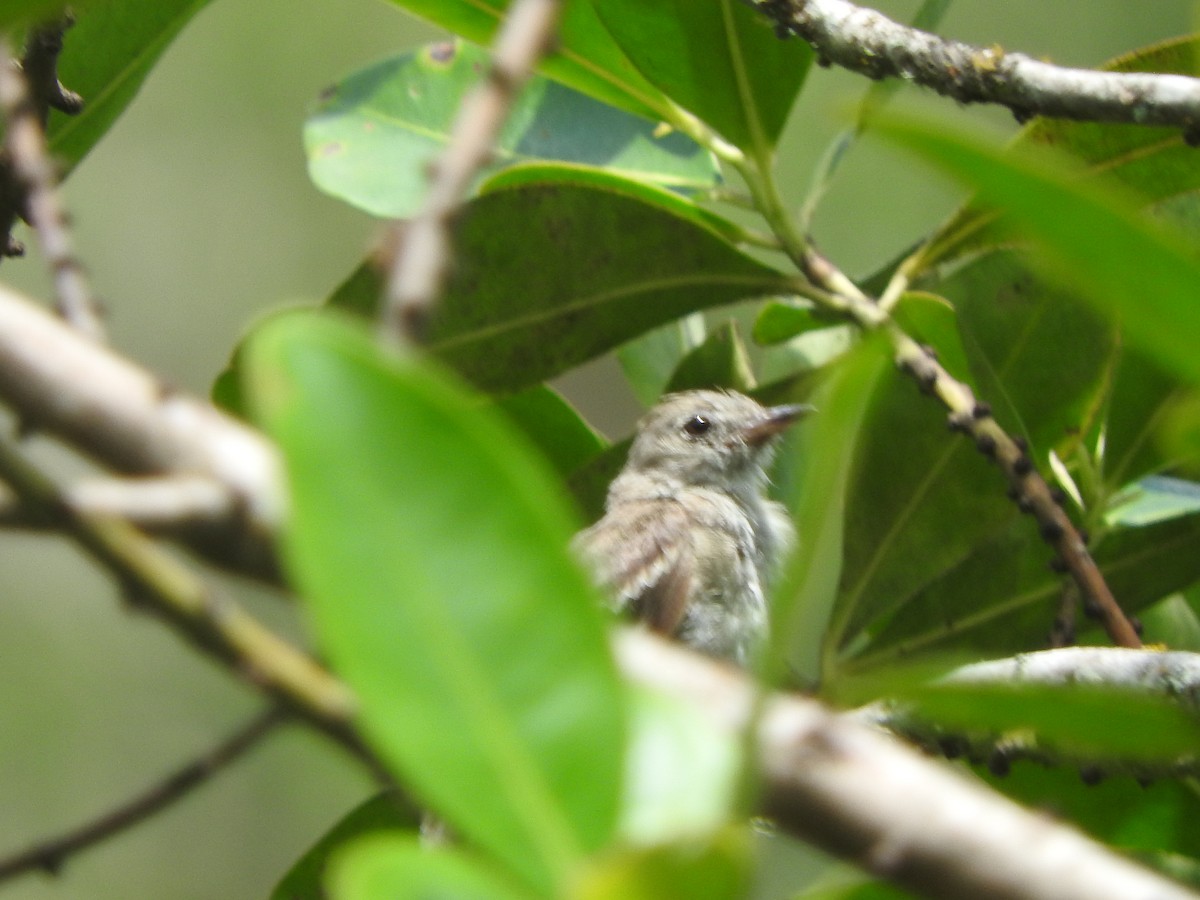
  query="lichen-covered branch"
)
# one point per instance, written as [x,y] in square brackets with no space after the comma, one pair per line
[1165,677]
[862,40]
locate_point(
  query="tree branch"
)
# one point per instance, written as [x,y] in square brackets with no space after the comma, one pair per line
[861,795]
[420,253]
[110,409]
[50,855]
[37,179]
[46,92]
[1167,677]
[867,42]
[204,617]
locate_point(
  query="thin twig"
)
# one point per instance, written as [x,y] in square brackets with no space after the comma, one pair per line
[50,855]
[862,40]
[855,792]
[46,92]
[36,174]
[421,257]
[204,617]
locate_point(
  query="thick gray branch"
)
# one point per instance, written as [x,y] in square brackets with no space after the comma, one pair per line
[864,41]
[864,796]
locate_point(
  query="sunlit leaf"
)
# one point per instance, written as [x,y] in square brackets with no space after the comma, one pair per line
[399,868]
[373,135]
[585,56]
[431,548]
[720,60]
[385,812]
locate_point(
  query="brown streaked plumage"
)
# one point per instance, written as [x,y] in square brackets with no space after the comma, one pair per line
[688,539]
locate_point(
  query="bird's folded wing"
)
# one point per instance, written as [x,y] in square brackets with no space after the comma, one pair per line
[644,558]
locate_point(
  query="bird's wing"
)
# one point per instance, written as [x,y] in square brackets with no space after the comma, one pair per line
[644,558]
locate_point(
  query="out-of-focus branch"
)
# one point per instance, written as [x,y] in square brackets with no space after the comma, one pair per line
[421,247]
[867,42]
[857,793]
[1167,677]
[50,855]
[45,92]
[207,619]
[29,164]
[108,408]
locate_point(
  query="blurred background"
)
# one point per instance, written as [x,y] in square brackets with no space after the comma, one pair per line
[194,217]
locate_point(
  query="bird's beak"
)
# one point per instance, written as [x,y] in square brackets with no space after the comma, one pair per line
[777,418]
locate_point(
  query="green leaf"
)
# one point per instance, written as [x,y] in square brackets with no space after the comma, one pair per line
[1075,720]
[717,869]
[1155,162]
[108,54]
[720,362]
[649,360]
[589,269]
[385,812]
[399,868]
[1001,598]
[819,462]
[919,503]
[1157,498]
[1090,238]
[782,320]
[557,174]
[1038,356]
[1143,405]
[1137,819]
[719,59]
[585,58]
[1172,622]
[374,134]
[682,773]
[553,425]
[430,546]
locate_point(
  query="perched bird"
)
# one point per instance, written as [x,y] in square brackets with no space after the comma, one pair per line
[688,540]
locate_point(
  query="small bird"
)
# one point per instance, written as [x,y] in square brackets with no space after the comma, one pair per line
[688,540]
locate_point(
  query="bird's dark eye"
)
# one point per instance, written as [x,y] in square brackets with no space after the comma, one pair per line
[697,425]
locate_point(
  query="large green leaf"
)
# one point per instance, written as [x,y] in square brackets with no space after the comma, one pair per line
[919,503]
[1155,162]
[373,135]
[649,359]
[1037,354]
[554,426]
[1085,236]
[1135,818]
[719,59]
[818,462]
[431,548]
[107,56]
[586,268]
[400,868]
[1001,597]
[585,57]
